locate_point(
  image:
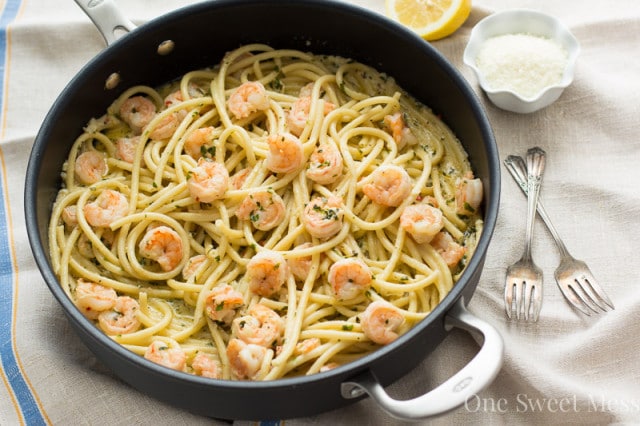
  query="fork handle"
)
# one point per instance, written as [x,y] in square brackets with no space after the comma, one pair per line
[518,170]
[535,169]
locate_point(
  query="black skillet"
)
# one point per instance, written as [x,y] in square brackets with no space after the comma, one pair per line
[198,36]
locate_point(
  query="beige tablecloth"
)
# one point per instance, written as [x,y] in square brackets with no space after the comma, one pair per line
[567,368]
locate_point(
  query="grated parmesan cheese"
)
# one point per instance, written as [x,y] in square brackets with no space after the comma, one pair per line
[522,63]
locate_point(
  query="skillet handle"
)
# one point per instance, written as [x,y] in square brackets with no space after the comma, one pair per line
[453,393]
[107,18]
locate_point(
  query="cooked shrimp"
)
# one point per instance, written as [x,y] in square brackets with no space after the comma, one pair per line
[469,194]
[191,267]
[85,247]
[307,345]
[322,217]
[160,353]
[245,359]
[176,98]
[92,298]
[90,167]
[222,303]
[121,318]
[402,134]
[328,367]
[126,148]
[200,142]
[108,207]
[239,178]
[166,127]
[70,215]
[137,112]
[205,366]
[388,185]
[449,249]
[267,272]
[422,221]
[349,278]
[380,321]
[298,115]
[262,326]
[300,266]
[325,164]
[248,98]
[265,210]
[208,181]
[286,153]
[163,245]
[173,98]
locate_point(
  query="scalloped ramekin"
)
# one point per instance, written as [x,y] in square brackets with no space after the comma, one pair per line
[522,21]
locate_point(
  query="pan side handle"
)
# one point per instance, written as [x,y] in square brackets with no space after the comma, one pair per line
[107,18]
[453,393]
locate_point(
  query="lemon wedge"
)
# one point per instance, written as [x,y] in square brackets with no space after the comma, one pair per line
[431,19]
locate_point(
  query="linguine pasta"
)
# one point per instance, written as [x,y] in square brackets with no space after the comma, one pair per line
[279,214]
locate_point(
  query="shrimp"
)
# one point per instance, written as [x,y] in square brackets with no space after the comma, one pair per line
[126,149]
[298,115]
[380,321]
[307,345]
[166,127]
[402,134]
[328,367]
[108,207]
[137,112]
[121,318]
[238,179]
[90,167]
[267,272]
[262,326]
[222,303]
[70,215]
[245,359]
[422,221]
[388,185]
[160,353]
[208,181]
[173,98]
[191,267]
[349,278]
[200,142]
[322,217]
[286,153]
[449,249]
[469,194]
[205,366]
[300,266]
[265,210]
[163,245]
[85,247]
[325,164]
[248,98]
[92,298]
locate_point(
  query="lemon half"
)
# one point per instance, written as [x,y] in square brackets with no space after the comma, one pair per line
[431,19]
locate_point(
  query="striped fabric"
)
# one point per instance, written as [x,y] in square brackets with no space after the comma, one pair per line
[27,408]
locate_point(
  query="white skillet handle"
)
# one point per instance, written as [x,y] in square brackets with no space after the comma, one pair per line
[453,393]
[107,18]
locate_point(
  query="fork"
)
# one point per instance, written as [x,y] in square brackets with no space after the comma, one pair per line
[523,286]
[573,276]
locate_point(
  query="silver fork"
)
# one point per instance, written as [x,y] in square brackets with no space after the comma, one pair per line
[573,276]
[523,286]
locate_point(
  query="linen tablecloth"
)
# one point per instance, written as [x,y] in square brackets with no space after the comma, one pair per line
[566,368]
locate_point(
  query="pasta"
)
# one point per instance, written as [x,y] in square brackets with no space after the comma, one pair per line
[279,214]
